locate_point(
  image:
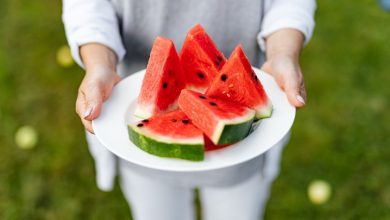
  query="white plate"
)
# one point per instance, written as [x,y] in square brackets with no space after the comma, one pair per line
[111,130]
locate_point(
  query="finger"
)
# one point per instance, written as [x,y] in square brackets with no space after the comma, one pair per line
[296,93]
[303,92]
[108,88]
[88,125]
[93,102]
[278,77]
[117,79]
[80,109]
[81,105]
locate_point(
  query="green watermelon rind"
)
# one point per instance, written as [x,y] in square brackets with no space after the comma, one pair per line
[234,133]
[230,131]
[193,152]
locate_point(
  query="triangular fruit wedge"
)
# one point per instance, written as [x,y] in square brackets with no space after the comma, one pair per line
[200,59]
[224,122]
[238,82]
[162,82]
[169,135]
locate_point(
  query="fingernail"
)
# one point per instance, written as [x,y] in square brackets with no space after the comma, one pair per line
[87,112]
[300,99]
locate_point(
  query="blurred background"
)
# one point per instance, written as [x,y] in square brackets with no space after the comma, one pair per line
[335,167]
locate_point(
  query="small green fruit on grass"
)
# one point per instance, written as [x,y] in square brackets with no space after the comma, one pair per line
[26,137]
[64,57]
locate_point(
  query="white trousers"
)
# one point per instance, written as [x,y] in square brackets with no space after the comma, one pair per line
[153,197]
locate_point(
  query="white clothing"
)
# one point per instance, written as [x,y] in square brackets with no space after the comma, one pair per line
[103,21]
[129,27]
[160,195]
[124,25]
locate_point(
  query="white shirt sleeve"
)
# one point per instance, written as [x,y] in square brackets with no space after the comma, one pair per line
[279,14]
[91,21]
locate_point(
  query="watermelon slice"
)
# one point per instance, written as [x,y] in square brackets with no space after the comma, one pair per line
[169,135]
[222,121]
[200,59]
[238,82]
[163,80]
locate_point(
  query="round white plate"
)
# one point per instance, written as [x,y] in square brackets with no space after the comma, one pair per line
[111,130]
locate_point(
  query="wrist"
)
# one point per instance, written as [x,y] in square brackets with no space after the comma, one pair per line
[98,58]
[284,43]
[285,57]
[100,71]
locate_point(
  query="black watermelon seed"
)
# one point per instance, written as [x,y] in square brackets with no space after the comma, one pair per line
[185,121]
[216,62]
[253,74]
[200,75]
[256,78]
[219,58]
[165,85]
[174,120]
[224,77]
[213,103]
[145,120]
[140,125]
[202,97]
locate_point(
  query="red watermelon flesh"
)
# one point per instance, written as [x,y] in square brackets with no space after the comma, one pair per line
[162,82]
[173,126]
[222,121]
[170,134]
[200,59]
[238,82]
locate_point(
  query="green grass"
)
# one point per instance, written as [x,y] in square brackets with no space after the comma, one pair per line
[342,136]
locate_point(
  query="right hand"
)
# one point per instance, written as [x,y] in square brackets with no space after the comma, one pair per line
[101,76]
[95,88]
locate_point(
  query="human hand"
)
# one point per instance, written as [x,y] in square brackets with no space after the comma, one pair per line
[98,82]
[95,88]
[283,49]
[287,72]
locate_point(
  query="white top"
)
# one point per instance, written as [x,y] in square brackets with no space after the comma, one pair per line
[129,27]
[139,22]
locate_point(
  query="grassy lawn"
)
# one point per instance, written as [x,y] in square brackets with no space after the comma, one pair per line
[342,136]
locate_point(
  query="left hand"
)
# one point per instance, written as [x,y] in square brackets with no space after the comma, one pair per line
[283,49]
[287,72]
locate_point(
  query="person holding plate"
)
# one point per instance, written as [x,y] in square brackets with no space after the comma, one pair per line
[112,39]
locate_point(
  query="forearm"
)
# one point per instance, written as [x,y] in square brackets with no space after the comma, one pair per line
[97,56]
[285,42]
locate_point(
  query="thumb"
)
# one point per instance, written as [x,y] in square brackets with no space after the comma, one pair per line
[296,93]
[93,103]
